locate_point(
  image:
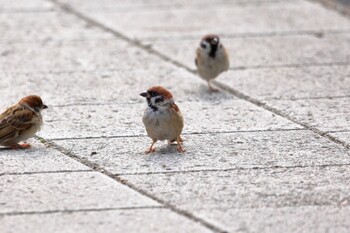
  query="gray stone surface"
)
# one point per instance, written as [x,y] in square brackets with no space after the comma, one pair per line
[324,114]
[36,159]
[66,191]
[126,119]
[290,82]
[44,26]
[132,220]
[174,22]
[265,51]
[220,196]
[25,5]
[105,86]
[211,151]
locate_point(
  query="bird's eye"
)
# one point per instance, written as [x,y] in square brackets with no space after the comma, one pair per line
[153,93]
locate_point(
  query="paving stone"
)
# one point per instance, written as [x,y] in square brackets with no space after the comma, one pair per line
[291,82]
[211,152]
[126,119]
[173,22]
[105,86]
[45,26]
[66,191]
[74,56]
[25,5]
[265,51]
[132,220]
[220,196]
[324,114]
[36,159]
[313,219]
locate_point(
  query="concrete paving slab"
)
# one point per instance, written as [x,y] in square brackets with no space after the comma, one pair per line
[324,114]
[126,119]
[66,191]
[290,82]
[25,5]
[131,221]
[251,191]
[211,152]
[105,86]
[115,5]
[173,22]
[36,159]
[312,219]
[74,56]
[253,52]
[45,26]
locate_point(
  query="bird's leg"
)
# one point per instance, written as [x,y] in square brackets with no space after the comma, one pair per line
[212,88]
[179,145]
[20,146]
[151,149]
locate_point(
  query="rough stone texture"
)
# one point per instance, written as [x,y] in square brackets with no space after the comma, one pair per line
[265,51]
[290,82]
[324,114]
[25,6]
[45,27]
[132,220]
[105,86]
[126,119]
[74,56]
[36,159]
[221,196]
[66,191]
[211,151]
[173,22]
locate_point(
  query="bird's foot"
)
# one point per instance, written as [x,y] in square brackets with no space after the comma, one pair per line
[150,150]
[180,148]
[20,146]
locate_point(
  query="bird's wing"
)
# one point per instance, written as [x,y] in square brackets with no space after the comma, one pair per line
[15,120]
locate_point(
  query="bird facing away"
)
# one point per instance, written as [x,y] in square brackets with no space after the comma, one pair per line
[21,121]
[162,118]
[211,58]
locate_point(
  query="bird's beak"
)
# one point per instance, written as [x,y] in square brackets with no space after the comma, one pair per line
[145,94]
[45,106]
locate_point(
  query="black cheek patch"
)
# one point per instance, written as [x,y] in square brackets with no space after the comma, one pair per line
[161,99]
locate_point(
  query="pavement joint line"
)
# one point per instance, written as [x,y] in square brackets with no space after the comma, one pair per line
[301,65]
[315,33]
[69,211]
[232,169]
[306,98]
[23,11]
[191,133]
[98,168]
[44,172]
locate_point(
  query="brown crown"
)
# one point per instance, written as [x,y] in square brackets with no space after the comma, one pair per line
[32,100]
[162,91]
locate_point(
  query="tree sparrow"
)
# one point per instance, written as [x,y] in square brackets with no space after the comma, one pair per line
[162,118]
[21,121]
[211,58]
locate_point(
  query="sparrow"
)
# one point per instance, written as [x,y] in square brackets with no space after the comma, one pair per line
[162,118]
[21,121]
[211,58]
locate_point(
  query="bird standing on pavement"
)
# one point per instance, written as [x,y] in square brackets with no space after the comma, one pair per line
[21,121]
[162,118]
[211,58]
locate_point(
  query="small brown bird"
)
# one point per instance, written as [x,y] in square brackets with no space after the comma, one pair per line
[162,118]
[21,121]
[211,58]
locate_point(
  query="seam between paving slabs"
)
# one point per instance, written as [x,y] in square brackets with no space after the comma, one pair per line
[44,172]
[98,168]
[77,210]
[238,94]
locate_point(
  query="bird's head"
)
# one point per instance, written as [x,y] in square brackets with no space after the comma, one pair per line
[210,44]
[34,102]
[158,97]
